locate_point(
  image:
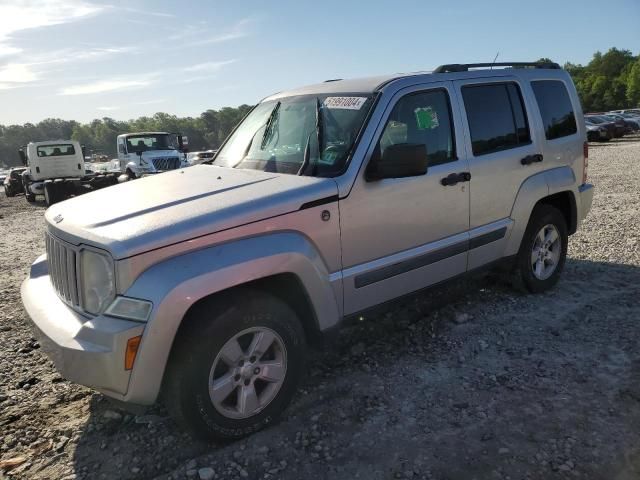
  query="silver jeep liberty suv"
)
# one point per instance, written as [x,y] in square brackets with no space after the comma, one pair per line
[205,286]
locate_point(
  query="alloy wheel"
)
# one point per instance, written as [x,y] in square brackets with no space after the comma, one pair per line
[247,373]
[546,251]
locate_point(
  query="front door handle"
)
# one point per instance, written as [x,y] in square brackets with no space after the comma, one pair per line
[529,159]
[454,178]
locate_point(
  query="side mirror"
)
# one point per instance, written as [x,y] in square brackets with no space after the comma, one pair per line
[84,151]
[23,157]
[398,161]
[183,143]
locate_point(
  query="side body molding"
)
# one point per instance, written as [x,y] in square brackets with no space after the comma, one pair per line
[176,284]
[532,190]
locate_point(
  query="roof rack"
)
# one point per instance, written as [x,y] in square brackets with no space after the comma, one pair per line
[464,67]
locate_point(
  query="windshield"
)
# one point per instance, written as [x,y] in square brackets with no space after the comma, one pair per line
[142,143]
[304,135]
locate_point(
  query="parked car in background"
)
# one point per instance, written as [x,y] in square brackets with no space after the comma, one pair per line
[208,286]
[622,128]
[195,158]
[597,133]
[633,111]
[597,120]
[3,175]
[13,182]
[630,117]
[630,125]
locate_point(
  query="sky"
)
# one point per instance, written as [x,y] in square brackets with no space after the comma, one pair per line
[85,59]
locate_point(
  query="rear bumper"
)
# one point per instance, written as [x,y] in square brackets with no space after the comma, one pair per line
[585,199]
[88,351]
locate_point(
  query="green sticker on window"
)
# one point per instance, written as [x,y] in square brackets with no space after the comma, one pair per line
[426,118]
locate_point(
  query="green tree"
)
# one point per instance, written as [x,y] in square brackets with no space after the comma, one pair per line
[633,84]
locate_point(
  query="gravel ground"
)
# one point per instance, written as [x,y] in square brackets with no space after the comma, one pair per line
[471,381]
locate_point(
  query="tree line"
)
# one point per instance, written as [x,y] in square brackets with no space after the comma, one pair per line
[99,136]
[609,81]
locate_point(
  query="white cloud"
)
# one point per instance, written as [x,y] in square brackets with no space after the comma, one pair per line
[17,73]
[29,14]
[208,67]
[150,102]
[103,86]
[71,55]
[195,36]
[119,107]
[143,12]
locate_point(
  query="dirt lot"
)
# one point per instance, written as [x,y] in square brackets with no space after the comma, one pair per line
[473,381]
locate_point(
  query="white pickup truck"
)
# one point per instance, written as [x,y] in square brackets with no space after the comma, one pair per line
[145,153]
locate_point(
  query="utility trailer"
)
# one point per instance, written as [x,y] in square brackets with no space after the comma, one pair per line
[56,170]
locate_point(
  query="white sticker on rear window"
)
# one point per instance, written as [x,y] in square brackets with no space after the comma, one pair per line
[348,103]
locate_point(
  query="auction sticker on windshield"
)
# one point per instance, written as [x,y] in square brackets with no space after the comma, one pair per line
[348,103]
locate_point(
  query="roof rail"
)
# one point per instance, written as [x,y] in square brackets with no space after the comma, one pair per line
[464,67]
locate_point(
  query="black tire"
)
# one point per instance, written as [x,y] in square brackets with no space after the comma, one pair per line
[210,326]
[112,180]
[51,193]
[8,191]
[130,174]
[541,216]
[30,197]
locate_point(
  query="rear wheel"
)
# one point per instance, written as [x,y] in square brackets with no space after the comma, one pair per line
[51,193]
[8,191]
[236,367]
[543,250]
[130,174]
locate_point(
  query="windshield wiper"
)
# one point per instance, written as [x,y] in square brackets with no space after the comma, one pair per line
[319,135]
[307,155]
[319,138]
[268,126]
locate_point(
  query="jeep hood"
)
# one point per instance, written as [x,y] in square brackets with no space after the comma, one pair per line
[155,211]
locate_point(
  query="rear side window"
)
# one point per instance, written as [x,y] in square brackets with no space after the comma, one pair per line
[555,107]
[496,116]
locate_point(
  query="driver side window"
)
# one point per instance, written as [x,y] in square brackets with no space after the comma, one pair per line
[422,118]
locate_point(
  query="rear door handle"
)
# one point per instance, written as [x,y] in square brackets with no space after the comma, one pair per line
[529,159]
[454,178]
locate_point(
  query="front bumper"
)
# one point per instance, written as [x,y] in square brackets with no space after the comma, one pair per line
[88,351]
[585,193]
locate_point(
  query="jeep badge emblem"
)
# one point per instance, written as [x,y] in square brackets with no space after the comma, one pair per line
[58,218]
[326,215]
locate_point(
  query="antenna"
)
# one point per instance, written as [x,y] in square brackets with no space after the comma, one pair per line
[494,60]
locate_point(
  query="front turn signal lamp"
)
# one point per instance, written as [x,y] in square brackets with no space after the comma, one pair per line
[132,350]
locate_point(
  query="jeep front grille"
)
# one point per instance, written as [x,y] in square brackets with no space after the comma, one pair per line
[63,269]
[169,163]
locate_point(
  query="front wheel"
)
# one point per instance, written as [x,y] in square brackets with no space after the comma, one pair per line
[236,367]
[8,191]
[543,250]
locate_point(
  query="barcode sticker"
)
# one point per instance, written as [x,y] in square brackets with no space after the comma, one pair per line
[348,103]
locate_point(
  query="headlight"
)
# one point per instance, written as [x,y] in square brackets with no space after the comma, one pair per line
[97,281]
